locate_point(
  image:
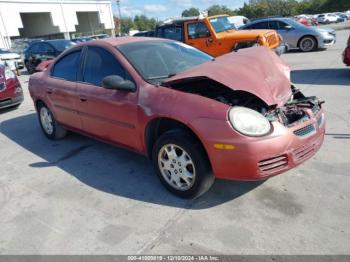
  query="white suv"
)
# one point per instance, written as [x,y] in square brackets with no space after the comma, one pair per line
[327,18]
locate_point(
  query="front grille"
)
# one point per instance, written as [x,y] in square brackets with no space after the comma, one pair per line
[273,164]
[305,131]
[306,151]
[272,39]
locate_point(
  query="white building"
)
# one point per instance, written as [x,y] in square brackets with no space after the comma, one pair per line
[53,19]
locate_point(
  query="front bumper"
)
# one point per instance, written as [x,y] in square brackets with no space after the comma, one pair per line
[327,40]
[11,101]
[252,158]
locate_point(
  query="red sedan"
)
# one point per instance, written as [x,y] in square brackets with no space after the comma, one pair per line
[11,94]
[197,118]
[346,54]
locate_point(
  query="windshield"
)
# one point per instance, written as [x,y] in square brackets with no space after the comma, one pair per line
[62,44]
[157,60]
[221,24]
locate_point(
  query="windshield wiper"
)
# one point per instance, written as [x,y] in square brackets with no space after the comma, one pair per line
[160,77]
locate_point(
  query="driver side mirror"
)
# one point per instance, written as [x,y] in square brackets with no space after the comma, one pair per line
[117,83]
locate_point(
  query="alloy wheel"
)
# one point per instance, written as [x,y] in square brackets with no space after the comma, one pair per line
[176,167]
[46,120]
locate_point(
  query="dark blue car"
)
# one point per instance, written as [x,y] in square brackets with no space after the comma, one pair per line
[42,51]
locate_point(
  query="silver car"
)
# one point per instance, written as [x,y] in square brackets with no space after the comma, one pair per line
[295,35]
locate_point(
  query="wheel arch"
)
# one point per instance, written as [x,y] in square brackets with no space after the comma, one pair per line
[308,35]
[158,126]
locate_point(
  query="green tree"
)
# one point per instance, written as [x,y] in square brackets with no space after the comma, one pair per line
[126,25]
[143,23]
[190,12]
[220,10]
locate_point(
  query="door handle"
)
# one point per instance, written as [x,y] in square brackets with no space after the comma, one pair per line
[49,91]
[208,41]
[83,98]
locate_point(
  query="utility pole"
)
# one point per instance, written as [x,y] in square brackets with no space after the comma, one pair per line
[120,18]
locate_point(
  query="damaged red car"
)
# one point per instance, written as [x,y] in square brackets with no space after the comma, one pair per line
[197,118]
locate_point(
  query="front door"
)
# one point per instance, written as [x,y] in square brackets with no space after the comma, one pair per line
[199,36]
[107,114]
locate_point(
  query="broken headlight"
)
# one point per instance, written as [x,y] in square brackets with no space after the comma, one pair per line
[249,122]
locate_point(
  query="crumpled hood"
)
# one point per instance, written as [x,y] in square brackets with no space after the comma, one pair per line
[256,70]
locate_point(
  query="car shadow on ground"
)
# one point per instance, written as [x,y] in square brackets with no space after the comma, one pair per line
[298,51]
[331,76]
[110,169]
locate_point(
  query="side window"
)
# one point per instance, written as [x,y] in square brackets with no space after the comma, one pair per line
[198,30]
[282,25]
[273,25]
[262,25]
[173,32]
[67,67]
[100,63]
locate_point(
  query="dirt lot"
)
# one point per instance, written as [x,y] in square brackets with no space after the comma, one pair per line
[79,196]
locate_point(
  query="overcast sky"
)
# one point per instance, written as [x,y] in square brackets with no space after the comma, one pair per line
[162,9]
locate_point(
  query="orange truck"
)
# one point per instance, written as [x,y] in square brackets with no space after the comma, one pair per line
[215,35]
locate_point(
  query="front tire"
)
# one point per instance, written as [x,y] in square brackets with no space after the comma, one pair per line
[182,164]
[308,44]
[49,125]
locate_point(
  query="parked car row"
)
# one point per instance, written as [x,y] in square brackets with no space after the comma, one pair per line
[89,38]
[216,35]
[124,91]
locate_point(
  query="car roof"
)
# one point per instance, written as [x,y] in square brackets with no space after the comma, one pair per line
[180,20]
[118,41]
[269,19]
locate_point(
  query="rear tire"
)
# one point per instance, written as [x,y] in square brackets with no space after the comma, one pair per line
[49,125]
[182,164]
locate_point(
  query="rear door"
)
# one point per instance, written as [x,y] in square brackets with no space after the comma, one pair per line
[108,114]
[61,89]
